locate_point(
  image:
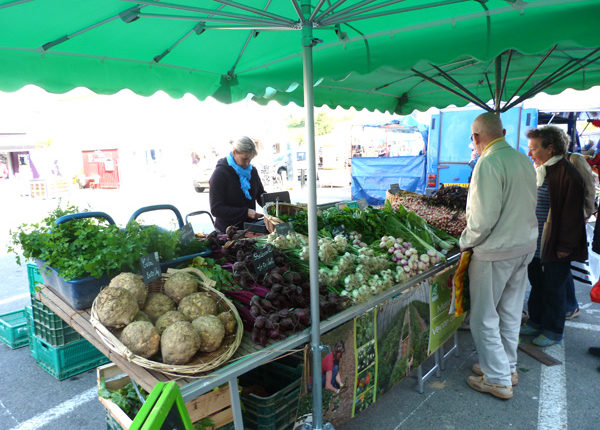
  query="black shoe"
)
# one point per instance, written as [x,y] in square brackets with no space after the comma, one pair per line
[594,350]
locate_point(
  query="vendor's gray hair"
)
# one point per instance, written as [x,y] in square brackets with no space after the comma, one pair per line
[551,136]
[245,145]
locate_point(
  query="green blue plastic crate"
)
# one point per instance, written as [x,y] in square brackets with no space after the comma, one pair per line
[55,345]
[46,324]
[65,361]
[50,327]
[30,333]
[34,277]
[13,329]
[278,410]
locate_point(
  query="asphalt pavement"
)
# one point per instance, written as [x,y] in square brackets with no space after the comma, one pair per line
[547,398]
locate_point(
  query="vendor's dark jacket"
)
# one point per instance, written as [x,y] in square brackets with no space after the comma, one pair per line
[228,204]
[565,228]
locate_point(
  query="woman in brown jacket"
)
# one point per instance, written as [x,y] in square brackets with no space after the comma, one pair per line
[562,237]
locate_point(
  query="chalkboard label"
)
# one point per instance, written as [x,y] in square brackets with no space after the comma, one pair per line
[264,260]
[362,203]
[395,188]
[255,227]
[150,267]
[186,234]
[284,228]
[340,229]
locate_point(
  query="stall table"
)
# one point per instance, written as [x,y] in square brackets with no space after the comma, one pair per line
[248,356]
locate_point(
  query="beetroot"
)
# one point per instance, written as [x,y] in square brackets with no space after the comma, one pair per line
[256,334]
[260,321]
[275,334]
[303,315]
[277,278]
[287,324]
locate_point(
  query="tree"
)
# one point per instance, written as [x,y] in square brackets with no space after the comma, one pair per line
[324,124]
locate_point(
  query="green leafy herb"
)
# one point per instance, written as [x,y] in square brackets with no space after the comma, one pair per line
[125,398]
[213,270]
[204,424]
[90,247]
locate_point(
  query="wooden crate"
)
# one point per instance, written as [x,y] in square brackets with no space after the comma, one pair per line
[215,405]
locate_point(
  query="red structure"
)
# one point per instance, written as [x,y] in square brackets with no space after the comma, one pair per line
[101,168]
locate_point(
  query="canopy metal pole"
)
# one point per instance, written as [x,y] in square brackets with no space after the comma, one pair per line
[307,62]
[498,78]
[510,52]
[508,105]
[447,88]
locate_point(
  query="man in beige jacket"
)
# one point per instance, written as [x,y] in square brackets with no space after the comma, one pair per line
[502,232]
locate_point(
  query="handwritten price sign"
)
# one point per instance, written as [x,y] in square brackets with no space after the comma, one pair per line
[339,230]
[150,267]
[263,259]
[186,234]
[284,228]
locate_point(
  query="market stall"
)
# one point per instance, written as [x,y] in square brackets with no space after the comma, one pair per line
[343,256]
[117,47]
[249,356]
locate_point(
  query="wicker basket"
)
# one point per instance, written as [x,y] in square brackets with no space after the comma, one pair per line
[284,209]
[202,361]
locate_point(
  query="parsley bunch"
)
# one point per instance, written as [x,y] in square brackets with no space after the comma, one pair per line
[90,246]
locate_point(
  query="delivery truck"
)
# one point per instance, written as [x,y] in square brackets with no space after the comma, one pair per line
[449,147]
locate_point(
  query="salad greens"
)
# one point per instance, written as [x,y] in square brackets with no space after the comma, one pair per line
[92,247]
[373,223]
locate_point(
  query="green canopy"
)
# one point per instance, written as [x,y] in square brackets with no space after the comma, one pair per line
[375,54]
[363,51]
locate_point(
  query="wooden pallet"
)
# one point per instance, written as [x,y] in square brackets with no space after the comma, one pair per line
[539,355]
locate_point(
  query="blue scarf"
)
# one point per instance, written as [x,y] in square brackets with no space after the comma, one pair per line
[244,174]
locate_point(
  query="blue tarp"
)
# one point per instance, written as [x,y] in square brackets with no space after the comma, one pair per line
[371,177]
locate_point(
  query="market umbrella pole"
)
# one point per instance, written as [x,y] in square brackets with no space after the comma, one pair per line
[307,62]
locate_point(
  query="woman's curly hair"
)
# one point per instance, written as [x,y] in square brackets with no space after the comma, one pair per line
[551,136]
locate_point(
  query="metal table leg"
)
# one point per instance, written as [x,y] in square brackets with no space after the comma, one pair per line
[422,378]
[446,354]
[236,407]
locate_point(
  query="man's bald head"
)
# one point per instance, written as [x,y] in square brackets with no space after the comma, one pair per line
[488,126]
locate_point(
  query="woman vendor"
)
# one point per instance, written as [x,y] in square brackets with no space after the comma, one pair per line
[235,187]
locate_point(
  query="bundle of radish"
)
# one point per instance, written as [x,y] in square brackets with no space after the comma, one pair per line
[356,239]
[403,254]
[452,221]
